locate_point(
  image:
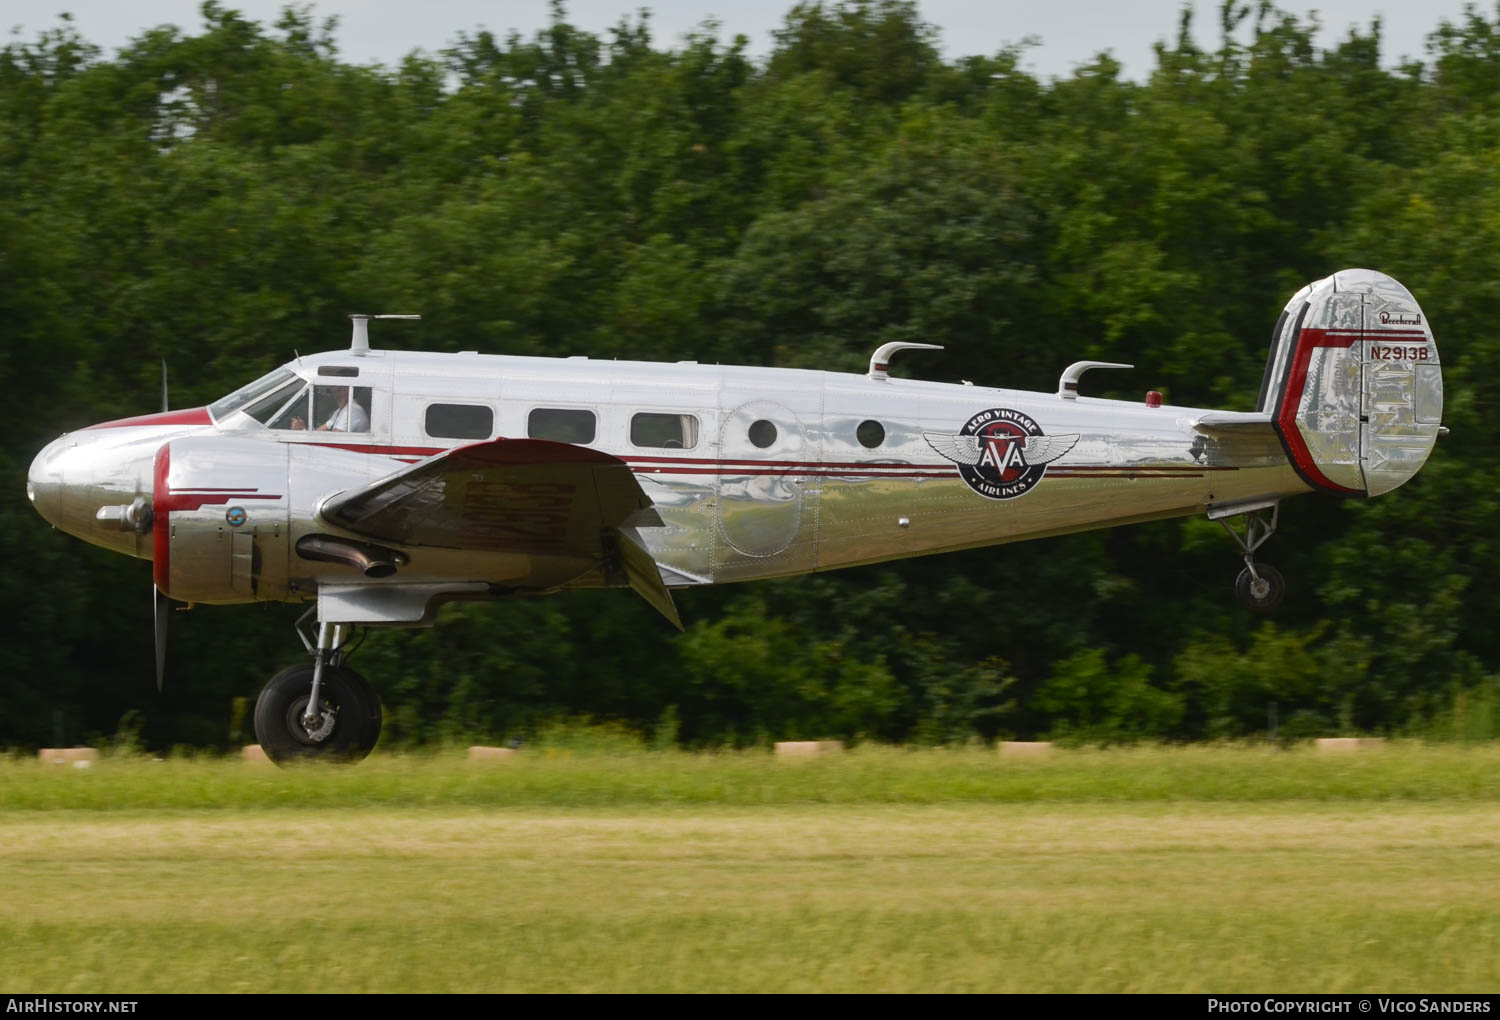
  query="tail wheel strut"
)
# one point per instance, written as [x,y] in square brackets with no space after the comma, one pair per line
[1260,587]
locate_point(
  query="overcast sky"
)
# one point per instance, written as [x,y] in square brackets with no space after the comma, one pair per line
[1071,31]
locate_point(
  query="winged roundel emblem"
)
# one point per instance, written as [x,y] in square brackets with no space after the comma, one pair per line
[1001,453]
[1023,451]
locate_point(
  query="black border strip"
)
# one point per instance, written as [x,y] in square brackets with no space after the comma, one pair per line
[1265,378]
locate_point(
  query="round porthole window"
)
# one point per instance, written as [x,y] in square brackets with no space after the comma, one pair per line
[762,433]
[870,434]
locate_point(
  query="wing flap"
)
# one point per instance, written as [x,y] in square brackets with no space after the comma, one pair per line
[643,575]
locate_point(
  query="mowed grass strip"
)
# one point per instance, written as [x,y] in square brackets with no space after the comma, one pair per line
[1191,897]
[867,775]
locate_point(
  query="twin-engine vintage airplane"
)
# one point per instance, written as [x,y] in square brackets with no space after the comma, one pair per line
[378,484]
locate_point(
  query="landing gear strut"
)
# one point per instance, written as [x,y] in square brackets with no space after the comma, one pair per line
[320,711]
[1260,587]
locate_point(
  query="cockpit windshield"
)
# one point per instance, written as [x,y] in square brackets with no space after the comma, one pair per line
[284,400]
[245,394]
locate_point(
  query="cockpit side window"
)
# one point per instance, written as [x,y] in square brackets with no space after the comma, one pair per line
[299,407]
[341,409]
[276,408]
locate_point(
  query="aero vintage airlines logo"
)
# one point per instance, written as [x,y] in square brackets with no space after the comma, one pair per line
[1001,453]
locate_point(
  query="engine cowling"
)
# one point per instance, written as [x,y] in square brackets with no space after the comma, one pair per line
[220,509]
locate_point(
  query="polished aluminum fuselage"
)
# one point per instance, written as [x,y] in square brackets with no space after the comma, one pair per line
[815,498]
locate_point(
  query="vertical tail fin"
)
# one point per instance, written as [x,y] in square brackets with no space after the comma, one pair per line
[1353,384]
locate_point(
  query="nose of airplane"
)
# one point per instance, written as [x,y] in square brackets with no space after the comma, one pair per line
[44,481]
[78,480]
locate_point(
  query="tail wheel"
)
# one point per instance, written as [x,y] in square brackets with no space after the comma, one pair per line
[1260,595]
[348,716]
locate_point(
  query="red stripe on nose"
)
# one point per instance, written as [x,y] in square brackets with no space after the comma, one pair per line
[191,416]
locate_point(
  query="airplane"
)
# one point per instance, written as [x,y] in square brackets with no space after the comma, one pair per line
[376,485]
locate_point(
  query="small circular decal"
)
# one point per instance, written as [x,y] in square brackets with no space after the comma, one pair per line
[236,516]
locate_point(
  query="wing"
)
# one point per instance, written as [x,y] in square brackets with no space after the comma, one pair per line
[959,449]
[1045,449]
[530,497]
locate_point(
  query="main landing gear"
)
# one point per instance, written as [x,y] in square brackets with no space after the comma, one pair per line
[322,711]
[1260,587]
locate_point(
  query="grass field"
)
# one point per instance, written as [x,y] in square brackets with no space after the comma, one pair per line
[878,870]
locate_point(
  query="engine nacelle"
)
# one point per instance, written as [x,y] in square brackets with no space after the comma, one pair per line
[220,519]
[228,513]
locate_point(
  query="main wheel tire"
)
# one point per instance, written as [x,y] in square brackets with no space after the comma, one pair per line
[349,711]
[1270,598]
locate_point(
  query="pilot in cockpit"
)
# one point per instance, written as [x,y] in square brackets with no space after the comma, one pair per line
[347,416]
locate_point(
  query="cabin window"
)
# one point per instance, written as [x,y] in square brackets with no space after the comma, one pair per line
[762,433]
[870,434]
[664,431]
[347,371]
[562,425]
[459,421]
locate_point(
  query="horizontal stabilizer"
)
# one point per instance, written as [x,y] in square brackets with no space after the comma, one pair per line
[1216,422]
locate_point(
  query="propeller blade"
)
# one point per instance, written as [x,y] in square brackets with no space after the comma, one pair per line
[163,613]
[164,384]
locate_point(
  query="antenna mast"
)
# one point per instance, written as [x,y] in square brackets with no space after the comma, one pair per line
[359,343]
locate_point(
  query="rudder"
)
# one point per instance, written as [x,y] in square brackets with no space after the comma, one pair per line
[1354,386]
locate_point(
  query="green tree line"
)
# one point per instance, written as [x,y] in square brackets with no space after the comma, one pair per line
[218,199]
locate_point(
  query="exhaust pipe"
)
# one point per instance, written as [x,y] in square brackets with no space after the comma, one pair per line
[372,560]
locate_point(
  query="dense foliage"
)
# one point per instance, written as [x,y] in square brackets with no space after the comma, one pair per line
[220,199]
